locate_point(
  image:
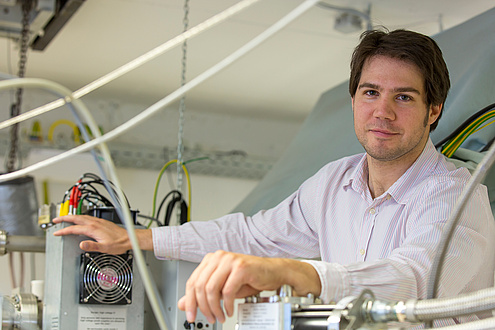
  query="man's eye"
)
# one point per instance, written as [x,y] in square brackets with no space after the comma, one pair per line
[371,93]
[404,97]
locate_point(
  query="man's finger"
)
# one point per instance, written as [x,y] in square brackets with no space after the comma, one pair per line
[195,295]
[231,290]
[215,286]
[89,246]
[75,219]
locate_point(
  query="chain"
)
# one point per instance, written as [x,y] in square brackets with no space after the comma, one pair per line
[16,107]
[182,105]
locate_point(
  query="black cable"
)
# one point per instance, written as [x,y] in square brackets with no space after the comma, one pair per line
[95,191]
[465,124]
[92,175]
[488,145]
[88,187]
[148,218]
[97,180]
[163,202]
[170,208]
[92,198]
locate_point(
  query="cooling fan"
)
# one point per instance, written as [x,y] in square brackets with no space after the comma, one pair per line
[106,279]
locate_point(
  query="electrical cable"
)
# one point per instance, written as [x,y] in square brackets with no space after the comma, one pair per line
[141,60]
[450,225]
[155,193]
[86,191]
[488,145]
[12,273]
[173,192]
[283,22]
[182,104]
[75,129]
[99,139]
[458,131]
[15,110]
[452,145]
[170,208]
[184,168]
[464,124]
[124,212]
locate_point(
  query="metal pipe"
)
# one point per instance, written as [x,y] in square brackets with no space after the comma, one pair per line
[465,304]
[433,309]
[18,243]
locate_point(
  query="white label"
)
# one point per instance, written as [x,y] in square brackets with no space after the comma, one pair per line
[102,318]
[262,316]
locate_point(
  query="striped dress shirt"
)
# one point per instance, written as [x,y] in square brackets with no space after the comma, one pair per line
[386,244]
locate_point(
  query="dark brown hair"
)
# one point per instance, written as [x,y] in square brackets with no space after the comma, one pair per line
[409,46]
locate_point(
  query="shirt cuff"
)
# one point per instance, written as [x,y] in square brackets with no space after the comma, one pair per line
[166,242]
[334,278]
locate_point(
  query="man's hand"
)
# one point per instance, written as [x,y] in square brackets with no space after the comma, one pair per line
[227,276]
[110,238]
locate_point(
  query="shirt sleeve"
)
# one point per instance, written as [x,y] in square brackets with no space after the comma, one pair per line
[279,232]
[404,273]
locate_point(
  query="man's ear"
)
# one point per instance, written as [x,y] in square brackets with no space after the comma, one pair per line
[435,111]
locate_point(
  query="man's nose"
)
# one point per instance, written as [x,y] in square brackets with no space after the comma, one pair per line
[384,109]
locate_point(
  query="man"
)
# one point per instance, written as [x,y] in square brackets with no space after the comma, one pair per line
[374,219]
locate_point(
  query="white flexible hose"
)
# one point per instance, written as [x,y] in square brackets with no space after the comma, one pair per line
[238,7]
[99,140]
[486,324]
[465,304]
[282,23]
[138,255]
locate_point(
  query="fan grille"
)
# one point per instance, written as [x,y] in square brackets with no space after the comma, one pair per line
[106,279]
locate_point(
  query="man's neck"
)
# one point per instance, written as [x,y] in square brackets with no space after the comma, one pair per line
[383,174]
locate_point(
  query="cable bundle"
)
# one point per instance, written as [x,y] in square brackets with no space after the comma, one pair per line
[177,197]
[471,125]
[85,193]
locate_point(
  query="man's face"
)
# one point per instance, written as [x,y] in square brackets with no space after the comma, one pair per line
[391,118]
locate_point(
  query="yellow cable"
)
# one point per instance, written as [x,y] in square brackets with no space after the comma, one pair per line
[64,208]
[186,172]
[472,129]
[486,125]
[46,198]
[457,141]
[74,127]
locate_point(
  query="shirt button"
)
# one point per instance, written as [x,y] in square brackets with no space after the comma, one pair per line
[361,252]
[372,211]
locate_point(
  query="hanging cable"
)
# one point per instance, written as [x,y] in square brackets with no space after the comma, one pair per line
[164,168]
[465,125]
[15,109]
[124,212]
[141,60]
[182,106]
[99,139]
[145,114]
[451,224]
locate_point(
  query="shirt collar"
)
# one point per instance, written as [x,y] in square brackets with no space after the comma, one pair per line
[420,169]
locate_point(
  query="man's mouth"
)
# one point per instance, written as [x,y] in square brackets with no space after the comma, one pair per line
[382,132]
